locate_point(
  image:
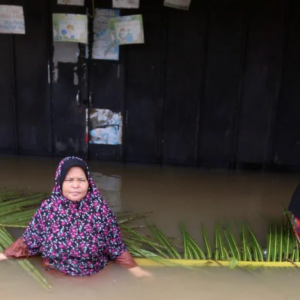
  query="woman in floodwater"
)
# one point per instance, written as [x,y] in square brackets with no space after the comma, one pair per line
[74,230]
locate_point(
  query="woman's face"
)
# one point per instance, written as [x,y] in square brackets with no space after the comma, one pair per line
[75,186]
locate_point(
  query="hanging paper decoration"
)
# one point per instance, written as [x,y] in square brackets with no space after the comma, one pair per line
[127,29]
[179,4]
[12,19]
[126,3]
[104,46]
[71,2]
[70,28]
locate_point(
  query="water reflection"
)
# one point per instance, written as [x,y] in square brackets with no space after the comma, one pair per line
[110,187]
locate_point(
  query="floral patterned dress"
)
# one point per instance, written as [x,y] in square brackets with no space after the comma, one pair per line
[76,238]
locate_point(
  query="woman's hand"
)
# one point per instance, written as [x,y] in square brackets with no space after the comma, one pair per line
[140,273]
[2,257]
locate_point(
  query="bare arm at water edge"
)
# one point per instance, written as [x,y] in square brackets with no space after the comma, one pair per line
[140,273]
[2,257]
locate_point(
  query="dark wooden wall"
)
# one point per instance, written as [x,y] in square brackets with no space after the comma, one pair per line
[216,87]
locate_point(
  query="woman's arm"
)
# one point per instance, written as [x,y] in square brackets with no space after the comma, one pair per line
[29,243]
[127,261]
[116,247]
[2,257]
[18,249]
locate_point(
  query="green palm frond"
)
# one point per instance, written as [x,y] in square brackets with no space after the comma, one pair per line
[171,251]
[207,244]
[191,249]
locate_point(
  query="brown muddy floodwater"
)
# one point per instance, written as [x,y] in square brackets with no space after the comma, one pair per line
[172,195]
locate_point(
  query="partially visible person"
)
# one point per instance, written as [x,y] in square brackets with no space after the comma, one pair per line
[294,208]
[74,230]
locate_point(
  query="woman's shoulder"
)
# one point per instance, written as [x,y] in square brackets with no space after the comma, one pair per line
[99,203]
[46,203]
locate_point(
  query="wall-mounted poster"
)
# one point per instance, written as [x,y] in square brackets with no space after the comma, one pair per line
[126,3]
[104,47]
[71,2]
[12,19]
[179,4]
[105,127]
[70,28]
[127,29]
